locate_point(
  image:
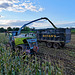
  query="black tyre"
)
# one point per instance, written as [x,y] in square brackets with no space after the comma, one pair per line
[49,44]
[7,45]
[18,50]
[62,45]
[13,45]
[56,45]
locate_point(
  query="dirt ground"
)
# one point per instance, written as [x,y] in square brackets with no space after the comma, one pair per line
[65,57]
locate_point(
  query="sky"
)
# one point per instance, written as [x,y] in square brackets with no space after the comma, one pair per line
[16,13]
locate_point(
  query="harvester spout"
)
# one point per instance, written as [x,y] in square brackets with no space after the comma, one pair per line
[35,21]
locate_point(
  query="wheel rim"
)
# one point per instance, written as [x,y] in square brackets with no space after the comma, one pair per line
[56,45]
[49,44]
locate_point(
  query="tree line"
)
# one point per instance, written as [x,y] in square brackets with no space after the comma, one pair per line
[14,29]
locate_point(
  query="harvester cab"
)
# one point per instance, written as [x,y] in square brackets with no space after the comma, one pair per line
[11,35]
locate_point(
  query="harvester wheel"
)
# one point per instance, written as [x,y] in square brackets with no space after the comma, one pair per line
[7,45]
[49,44]
[62,45]
[13,45]
[56,45]
[18,50]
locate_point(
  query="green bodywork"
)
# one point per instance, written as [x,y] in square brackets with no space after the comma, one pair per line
[19,40]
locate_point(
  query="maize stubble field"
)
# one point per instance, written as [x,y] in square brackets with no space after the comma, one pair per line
[64,58]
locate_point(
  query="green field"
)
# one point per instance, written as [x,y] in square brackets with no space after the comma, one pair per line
[73,31]
[12,64]
[51,61]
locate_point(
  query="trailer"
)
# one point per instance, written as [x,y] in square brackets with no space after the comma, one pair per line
[54,37]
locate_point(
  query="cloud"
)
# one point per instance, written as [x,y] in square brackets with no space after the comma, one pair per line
[19,23]
[19,6]
[5,5]
[37,25]
[1,16]
[41,25]
[65,25]
[11,23]
[40,9]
